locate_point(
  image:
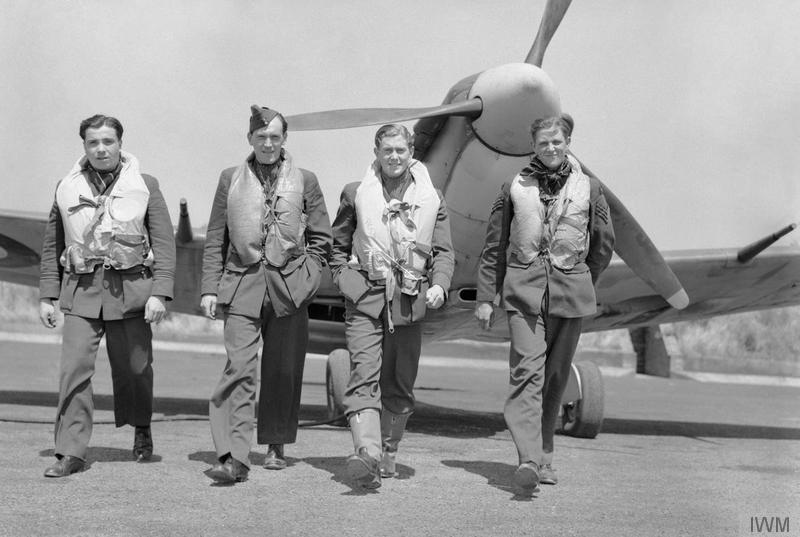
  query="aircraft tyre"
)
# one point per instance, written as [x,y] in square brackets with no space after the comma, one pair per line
[584,418]
[337,375]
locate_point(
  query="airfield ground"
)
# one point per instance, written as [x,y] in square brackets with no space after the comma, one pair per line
[675,457]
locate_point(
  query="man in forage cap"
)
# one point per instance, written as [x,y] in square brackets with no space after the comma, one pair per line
[268,239]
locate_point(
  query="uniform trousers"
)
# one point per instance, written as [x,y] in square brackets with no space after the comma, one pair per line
[232,406]
[130,353]
[383,365]
[539,361]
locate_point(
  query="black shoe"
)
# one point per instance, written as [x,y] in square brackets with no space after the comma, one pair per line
[230,471]
[527,475]
[65,466]
[364,469]
[142,444]
[275,459]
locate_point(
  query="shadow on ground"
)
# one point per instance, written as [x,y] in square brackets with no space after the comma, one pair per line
[336,467]
[434,420]
[497,475]
[106,454]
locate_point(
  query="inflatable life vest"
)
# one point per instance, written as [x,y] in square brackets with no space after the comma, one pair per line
[274,229]
[394,238]
[560,232]
[106,229]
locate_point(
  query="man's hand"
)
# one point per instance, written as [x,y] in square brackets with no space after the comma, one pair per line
[47,312]
[155,309]
[208,303]
[434,298]
[484,312]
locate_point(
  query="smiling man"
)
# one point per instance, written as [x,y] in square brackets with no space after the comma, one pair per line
[549,237]
[392,258]
[109,258]
[269,236]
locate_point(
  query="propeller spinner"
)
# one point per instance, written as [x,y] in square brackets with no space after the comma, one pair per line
[513,96]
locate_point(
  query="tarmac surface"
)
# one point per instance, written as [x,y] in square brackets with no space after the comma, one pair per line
[675,457]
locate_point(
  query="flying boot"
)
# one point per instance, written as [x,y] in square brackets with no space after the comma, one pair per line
[363,465]
[392,428]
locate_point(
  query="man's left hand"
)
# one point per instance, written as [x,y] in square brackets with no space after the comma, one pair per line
[155,309]
[434,298]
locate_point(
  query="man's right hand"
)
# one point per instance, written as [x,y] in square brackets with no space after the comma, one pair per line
[484,312]
[208,303]
[47,312]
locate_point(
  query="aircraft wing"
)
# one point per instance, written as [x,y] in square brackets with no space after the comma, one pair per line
[21,237]
[716,281]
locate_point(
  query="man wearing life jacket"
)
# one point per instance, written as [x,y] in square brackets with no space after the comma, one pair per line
[392,258]
[269,236]
[549,238]
[109,258]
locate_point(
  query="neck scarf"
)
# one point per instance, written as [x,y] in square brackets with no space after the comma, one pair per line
[550,181]
[267,173]
[103,179]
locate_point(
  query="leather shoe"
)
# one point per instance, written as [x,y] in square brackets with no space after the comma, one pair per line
[229,471]
[364,469]
[275,459]
[65,466]
[547,475]
[527,475]
[142,444]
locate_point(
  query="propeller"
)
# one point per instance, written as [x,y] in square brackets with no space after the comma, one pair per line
[639,253]
[554,11]
[360,117]
[632,243]
[472,108]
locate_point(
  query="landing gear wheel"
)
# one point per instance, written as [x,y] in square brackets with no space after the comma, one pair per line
[337,375]
[583,418]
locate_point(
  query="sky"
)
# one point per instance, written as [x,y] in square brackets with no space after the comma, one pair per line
[688,110]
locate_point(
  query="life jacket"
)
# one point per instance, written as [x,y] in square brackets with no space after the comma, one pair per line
[562,235]
[106,229]
[271,229]
[392,240]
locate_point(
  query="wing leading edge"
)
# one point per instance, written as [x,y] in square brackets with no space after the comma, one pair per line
[21,237]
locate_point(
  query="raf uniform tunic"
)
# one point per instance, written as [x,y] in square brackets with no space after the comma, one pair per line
[262,302]
[106,302]
[384,363]
[545,307]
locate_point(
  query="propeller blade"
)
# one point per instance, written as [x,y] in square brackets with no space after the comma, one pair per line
[640,254]
[554,11]
[360,117]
